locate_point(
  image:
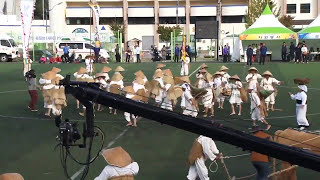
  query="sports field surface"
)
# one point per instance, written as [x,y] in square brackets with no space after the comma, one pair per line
[28,139]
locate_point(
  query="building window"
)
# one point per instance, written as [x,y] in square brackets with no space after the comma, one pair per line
[111,20]
[291,8]
[172,20]
[194,19]
[305,8]
[233,19]
[141,20]
[78,21]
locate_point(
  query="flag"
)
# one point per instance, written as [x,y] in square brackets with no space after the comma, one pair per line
[183,48]
[96,19]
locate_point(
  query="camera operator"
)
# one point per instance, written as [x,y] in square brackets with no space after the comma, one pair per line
[32,87]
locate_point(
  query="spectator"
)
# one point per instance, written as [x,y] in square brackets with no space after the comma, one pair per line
[318,54]
[128,53]
[228,52]
[43,59]
[66,52]
[304,51]
[249,55]
[311,54]
[298,53]
[284,51]
[58,59]
[188,51]
[32,87]
[138,51]
[117,51]
[164,52]
[292,49]
[52,60]
[225,53]
[176,53]
[263,53]
[257,59]
[96,50]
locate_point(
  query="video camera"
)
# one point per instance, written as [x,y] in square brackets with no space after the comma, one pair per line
[68,132]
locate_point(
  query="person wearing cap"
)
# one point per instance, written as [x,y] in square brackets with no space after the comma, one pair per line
[89,64]
[235,98]
[256,106]
[202,149]
[185,65]
[260,161]
[268,82]
[120,165]
[253,74]
[301,106]
[47,88]
[188,102]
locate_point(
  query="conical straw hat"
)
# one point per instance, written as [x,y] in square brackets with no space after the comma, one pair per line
[11,176]
[49,75]
[159,66]
[101,74]
[218,73]
[55,70]
[267,73]
[116,77]
[167,72]
[106,69]
[82,70]
[129,90]
[139,81]
[302,81]
[209,77]
[185,79]
[158,74]
[117,157]
[223,68]
[236,77]
[253,69]
[204,66]
[139,74]
[119,69]
[168,80]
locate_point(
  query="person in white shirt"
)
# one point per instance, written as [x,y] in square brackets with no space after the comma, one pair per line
[158,78]
[256,107]
[138,52]
[304,51]
[116,86]
[130,94]
[268,82]
[203,148]
[207,100]
[185,65]
[101,80]
[220,83]
[81,75]
[301,106]
[235,98]
[47,87]
[89,65]
[253,75]
[167,96]
[120,165]
[188,103]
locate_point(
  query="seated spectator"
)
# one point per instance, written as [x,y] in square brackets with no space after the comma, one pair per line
[52,60]
[317,55]
[43,59]
[58,59]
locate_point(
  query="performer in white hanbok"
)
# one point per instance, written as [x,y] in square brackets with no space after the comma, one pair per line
[225,74]
[120,70]
[203,148]
[121,165]
[103,83]
[235,98]
[268,82]
[208,98]
[47,90]
[253,75]
[130,94]
[188,103]
[140,74]
[81,75]
[168,85]
[257,111]
[158,78]
[116,86]
[185,65]
[106,70]
[301,106]
[89,65]
[220,84]
[57,70]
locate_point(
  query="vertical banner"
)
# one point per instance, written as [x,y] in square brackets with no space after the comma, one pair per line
[183,48]
[26,9]
[96,19]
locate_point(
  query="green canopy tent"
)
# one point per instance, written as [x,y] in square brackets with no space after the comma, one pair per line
[311,34]
[269,30]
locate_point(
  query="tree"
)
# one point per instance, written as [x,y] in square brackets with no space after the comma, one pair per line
[287,21]
[115,27]
[256,8]
[165,32]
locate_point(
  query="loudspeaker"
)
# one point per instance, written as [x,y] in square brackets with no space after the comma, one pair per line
[207,29]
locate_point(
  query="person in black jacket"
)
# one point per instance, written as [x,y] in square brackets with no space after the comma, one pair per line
[292,49]
[284,51]
[249,55]
[298,53]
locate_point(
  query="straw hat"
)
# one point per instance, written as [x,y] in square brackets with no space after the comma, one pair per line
[106,69]
[49,75]
[185,79]
[208,77]
[168,80]
[116,77]
[223,68]
[204,66]
[11,176]
[101,74]
[139,81]
[267,73]
[159,66]
[129,90]
[117,157]
[167,72]
[55,70]
[218,73]
[119,69]
[158,74]
[235,77]
[253,69]
[82,70]
[139,74]
[302,81]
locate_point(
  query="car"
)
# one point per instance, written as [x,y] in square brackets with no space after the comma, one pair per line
[38,54]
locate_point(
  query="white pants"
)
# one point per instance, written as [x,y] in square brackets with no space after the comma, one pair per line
[128,116]
[221,98]
[47,106]
[207,101]
[256,114]
[190,112]
[199,169]
[302,115]
[167,104]
[184,69]
[271,99]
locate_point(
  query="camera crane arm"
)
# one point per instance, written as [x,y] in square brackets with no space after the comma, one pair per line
[195,125]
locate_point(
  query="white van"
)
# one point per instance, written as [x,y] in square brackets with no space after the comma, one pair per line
[8,48]
[80,48]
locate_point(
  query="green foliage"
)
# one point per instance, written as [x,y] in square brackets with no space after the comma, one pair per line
[256,8]
[165,32]
[287,21]
[115,27]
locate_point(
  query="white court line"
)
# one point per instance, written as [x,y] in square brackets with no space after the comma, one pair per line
[4,92]
[317,89]
[194,71]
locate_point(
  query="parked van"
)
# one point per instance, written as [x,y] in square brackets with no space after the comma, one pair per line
[8,48]
[80,48]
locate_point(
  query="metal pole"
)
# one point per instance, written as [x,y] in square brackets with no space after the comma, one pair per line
[172,46]
[177,13]
[43,10]
[46,28]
